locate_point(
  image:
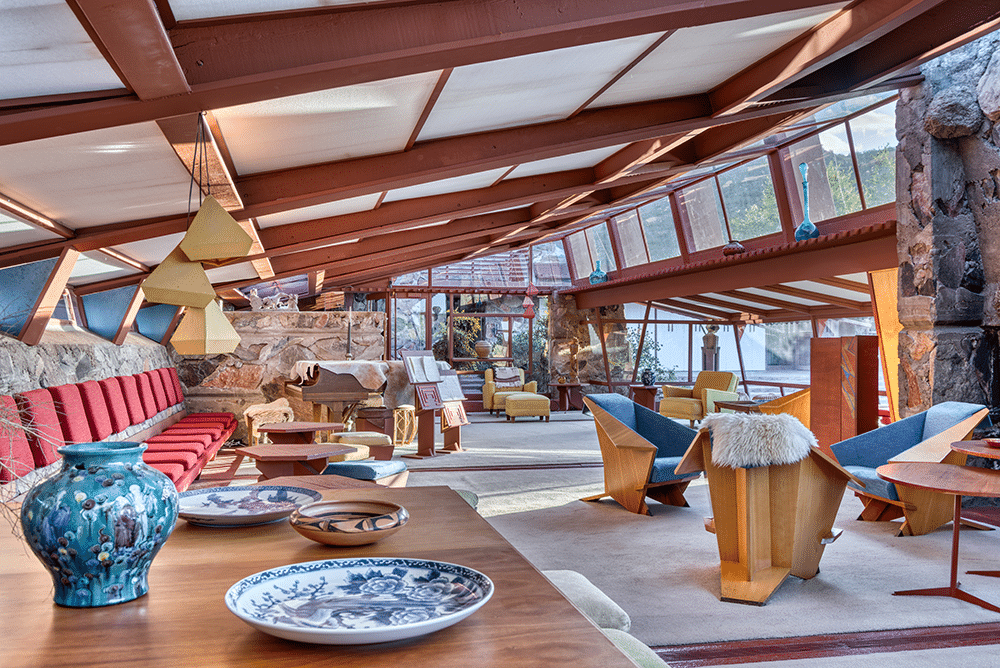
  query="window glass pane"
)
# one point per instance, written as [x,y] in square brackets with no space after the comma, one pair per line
[661,235]
[408,325]
[630,234]
[549,264]
[748,195]
[704,212]
[600,246]
[502,270]
[439,326]
[581,256]
[833,190]
[875,144]
[416,278]
[621,354]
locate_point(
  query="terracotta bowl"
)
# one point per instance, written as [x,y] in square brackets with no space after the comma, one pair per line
[992,442]
[348,522]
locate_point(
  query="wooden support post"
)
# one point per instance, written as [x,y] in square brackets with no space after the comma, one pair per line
[34,326]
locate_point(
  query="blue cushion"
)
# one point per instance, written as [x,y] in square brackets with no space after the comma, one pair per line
[947,414]
[365,470]
[663,469]
[670,438]
[874,448]
[620,408]
[873,484]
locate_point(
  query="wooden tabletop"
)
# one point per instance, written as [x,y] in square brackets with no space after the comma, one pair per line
[184,621]
[944,478]
[977,448]
[320,483]
[747,406]
[294,427]
[283,452]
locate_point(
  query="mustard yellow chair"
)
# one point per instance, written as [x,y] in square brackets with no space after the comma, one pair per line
[795,404]
[496,391]
[695,403]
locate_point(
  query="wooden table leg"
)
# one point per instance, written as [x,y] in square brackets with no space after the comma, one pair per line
[952,590]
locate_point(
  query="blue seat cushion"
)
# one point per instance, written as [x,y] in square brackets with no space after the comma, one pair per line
[365,470]
[873,484]
[663,469]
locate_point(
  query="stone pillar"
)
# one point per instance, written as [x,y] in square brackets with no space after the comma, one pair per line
[568,326]
[948,208]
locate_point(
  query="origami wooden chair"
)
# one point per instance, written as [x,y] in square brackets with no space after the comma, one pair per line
[795,404]
[770,520]
[924,437]
[640,450]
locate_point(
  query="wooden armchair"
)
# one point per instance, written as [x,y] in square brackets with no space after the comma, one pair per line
[640,450]
[770,520]
[495,395]
[924,437]
[795,404]
[695,403]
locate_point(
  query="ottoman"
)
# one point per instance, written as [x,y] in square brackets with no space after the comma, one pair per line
[521,404]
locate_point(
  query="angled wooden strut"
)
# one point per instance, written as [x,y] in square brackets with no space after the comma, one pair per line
[770,521]
[628,464]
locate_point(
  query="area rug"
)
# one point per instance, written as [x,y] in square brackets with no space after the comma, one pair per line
[664,570]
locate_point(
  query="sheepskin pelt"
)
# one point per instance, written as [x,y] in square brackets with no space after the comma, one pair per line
[741,440]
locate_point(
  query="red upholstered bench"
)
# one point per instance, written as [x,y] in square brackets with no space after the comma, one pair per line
[146,407]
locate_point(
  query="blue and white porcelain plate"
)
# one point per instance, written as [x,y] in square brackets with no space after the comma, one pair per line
[243,506]
[358,601]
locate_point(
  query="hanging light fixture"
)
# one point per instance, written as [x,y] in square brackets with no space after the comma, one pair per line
[213,236]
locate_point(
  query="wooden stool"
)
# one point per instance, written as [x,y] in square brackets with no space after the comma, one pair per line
[404,420]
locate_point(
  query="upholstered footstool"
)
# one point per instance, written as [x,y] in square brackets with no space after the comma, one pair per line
[379,445]
[521,404]
[389,474]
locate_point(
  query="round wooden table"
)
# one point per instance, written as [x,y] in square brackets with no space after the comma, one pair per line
[946,479]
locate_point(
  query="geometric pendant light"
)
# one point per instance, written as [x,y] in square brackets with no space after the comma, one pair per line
[205,331]
[215,235]
[179,282]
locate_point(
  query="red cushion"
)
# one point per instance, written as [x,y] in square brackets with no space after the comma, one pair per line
[72,415]
[173,398]
[176,473]
[180,445]
[146,395]
[17,458]
[175,379]
[39,412]
[96,408]
[185,459]
[228,419]
[117,410]
[130,390]
[159,393]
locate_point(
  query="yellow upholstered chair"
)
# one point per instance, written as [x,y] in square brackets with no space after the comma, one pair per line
[496,391]
[695,403]
[795,404]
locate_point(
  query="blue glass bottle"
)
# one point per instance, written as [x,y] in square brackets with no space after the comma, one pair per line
[597,276]
[806,230]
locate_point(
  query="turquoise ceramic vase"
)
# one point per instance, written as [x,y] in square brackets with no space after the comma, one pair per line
[806,229]
[597,276]
[99,521]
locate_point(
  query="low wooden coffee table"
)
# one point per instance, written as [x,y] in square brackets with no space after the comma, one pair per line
[946,479]
[281,459]
[297,432]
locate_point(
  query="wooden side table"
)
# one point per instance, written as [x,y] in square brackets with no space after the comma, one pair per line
[569,396]
[739,406]
[282,459]
[644,395]
[297,432]
[946,479]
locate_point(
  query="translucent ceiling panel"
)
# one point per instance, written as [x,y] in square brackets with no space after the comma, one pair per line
[528,89]
[455,184]
[748,195]
[704,214]
[151,251]
[234,272]
[564,163]
[630,234]
[325,126]
[581,255]
[833,187]
[13,232]
[187,10]
[874,137]
[599,239]
[91,178]
[548,261]
[658,226]
[338,208]
[93,267]
[695,60]
[46,52]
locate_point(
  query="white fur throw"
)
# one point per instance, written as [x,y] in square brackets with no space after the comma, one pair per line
[741,440]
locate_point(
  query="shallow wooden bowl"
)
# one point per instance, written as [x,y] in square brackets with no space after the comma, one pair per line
[348,522]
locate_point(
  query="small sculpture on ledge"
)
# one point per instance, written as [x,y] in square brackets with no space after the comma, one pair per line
[806,230]
[597,276]
[279,301]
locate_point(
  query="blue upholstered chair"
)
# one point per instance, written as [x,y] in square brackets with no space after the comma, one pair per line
[640,449]
[924,437]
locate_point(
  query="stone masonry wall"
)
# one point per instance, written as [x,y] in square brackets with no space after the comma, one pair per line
[948,234]
[568,324]
[271,343]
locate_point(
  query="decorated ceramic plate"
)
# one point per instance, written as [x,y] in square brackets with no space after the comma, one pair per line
[358,601]
[243,506]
